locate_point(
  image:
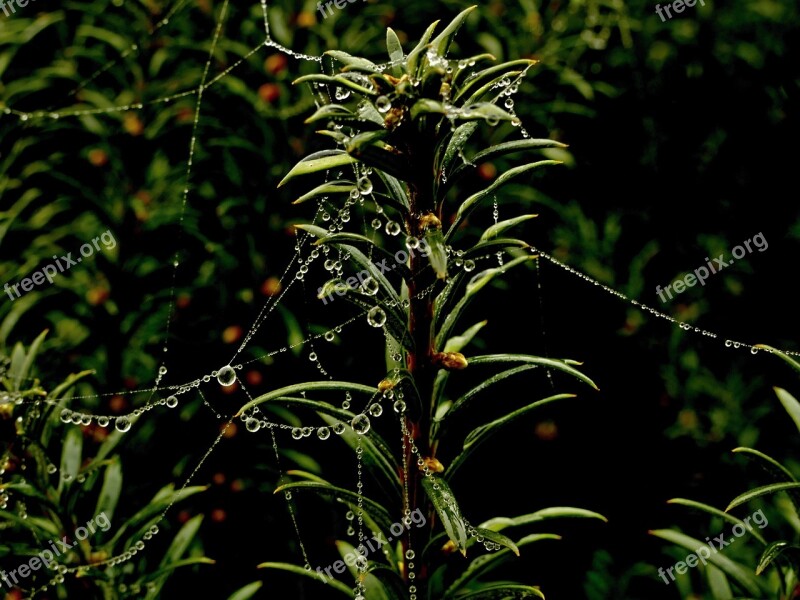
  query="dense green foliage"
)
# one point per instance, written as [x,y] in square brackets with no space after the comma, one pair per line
[680,138]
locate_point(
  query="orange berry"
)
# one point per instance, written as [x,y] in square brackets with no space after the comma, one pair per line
[271,287]
[232,334]
[487,171]
[117,404]
[269,92]
[306,19]
[275,64]
[254,378]
[133,124]
[219,478]
[98,158]
[546,431]
[218,515]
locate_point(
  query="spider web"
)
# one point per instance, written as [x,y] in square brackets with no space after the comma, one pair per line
[306,260]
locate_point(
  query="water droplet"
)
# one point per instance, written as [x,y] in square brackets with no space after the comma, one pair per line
[342,93]
[376,410]
[172,402]
[392,228]
[360,424]
[323,433]
[338,428]
[162,370]
[399,406]
[364,185]
[252,425]
[66,415]
[376,317]
[383,104]
[376,223]
[753,350]
[410,554]
[736,344]
[226,376]
[728,343]
[297,433]
[51,469]
[492,120]
[469,265]
[312,357]
[329,337]
[509,103]
[122,424]
[370,286]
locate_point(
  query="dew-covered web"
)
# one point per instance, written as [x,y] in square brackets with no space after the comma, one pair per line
[364,212]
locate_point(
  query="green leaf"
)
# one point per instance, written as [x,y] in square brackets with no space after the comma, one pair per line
[353,63]
[311,386]
[470,203]
[490,73]
[498,538]
[773,551]
[331,111]
[29,358]
[504,591]
[426,106]
[791,405]
[715,512]
[376,511]
[165,497]
[247,591]
[437,254]
[457,141]
[336,80]
[331,187]
[764,490]
[373,587]
[736,571]
[109,493]
[178,547]
[545,514]
[488,562]
[334,583]
[458,343]
[318,161]
[484,111]
[444,503]
[792,362]
[71,457]
[498,150]
[394,48]
[718,583]
[413,62]
[484,432]
[498,228]
[362,140]
[441,43]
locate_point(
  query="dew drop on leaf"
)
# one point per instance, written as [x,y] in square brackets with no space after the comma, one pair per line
[376,317]
[123,424]
[383,104]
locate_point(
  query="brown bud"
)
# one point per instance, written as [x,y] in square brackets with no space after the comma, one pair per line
[450,361]
[385,385]
[428,221]
[434,465]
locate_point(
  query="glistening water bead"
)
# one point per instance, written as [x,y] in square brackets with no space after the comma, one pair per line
[376,317]
[360,424]
[226,376]
[122,424]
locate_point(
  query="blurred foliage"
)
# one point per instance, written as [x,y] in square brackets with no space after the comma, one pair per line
[673,128]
